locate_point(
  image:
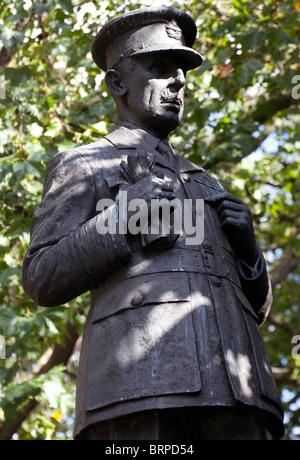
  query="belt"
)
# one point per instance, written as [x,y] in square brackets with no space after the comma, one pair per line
[203,261]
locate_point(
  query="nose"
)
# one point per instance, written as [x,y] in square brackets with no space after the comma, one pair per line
[179,79]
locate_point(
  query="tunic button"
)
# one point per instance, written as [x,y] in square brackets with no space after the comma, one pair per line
[186,177]
[216,281]
[207,245]
[137,299]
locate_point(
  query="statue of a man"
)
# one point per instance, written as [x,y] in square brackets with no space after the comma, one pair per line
[171,348]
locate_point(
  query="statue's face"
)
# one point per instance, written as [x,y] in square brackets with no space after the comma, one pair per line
[155,92]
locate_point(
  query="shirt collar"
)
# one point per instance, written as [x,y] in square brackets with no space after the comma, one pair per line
[125,135]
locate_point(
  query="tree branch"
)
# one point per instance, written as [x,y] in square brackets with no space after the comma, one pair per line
[278,273]
[283,375]
[5,56]
[270,107]
[60,355]
[282,267]
[276,321]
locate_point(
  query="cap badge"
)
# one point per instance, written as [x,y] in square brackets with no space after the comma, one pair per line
[173,30]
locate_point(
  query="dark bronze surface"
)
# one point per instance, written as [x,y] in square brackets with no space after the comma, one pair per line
[172,324]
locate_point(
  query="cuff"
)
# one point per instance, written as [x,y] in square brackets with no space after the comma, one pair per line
[255,284]
[265,309]
[99,249]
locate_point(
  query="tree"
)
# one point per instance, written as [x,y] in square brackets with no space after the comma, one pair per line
[241,123]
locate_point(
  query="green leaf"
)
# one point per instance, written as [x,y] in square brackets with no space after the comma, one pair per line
[251,39]
[67,5]
[51,105]
[54,128]
[17,75]
[65,145]
[250,67]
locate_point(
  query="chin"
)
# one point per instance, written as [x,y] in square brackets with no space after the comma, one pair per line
[168,122]
[170,125]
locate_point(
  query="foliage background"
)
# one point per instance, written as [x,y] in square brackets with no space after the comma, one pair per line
[241,122]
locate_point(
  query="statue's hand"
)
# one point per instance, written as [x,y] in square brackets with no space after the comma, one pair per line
[150,188]
[140,195]
[149,193]
[236,222]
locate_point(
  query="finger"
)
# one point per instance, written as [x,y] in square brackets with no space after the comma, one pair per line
[167,188]
[234,225]
[169,195]
[232,206]
[158,181]
[160,195]
[219,197]
[216,198]
[232,213]
[126,172]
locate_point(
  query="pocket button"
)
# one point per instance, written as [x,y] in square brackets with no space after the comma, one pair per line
[137,299]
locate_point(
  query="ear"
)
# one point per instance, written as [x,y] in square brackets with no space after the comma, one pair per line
[115,84]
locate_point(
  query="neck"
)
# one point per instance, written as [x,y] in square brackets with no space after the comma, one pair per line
[127,118]
[132,123]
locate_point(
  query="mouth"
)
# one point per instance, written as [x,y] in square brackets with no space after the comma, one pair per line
[169,98]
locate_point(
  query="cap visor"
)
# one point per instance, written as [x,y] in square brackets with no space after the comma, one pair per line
[192,58]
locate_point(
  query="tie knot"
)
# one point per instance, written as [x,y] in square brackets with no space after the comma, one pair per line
[164,147]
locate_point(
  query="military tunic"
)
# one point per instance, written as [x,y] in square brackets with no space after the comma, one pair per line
[172,328]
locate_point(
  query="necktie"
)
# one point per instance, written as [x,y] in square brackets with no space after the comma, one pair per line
[165,149]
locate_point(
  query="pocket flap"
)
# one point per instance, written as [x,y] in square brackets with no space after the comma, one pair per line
[139,291]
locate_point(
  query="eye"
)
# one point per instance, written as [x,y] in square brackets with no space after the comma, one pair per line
[159,66]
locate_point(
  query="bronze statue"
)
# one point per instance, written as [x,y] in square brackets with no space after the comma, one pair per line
[171,348]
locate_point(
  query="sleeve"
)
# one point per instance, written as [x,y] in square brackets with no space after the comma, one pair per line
[67,255]
[256,285]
